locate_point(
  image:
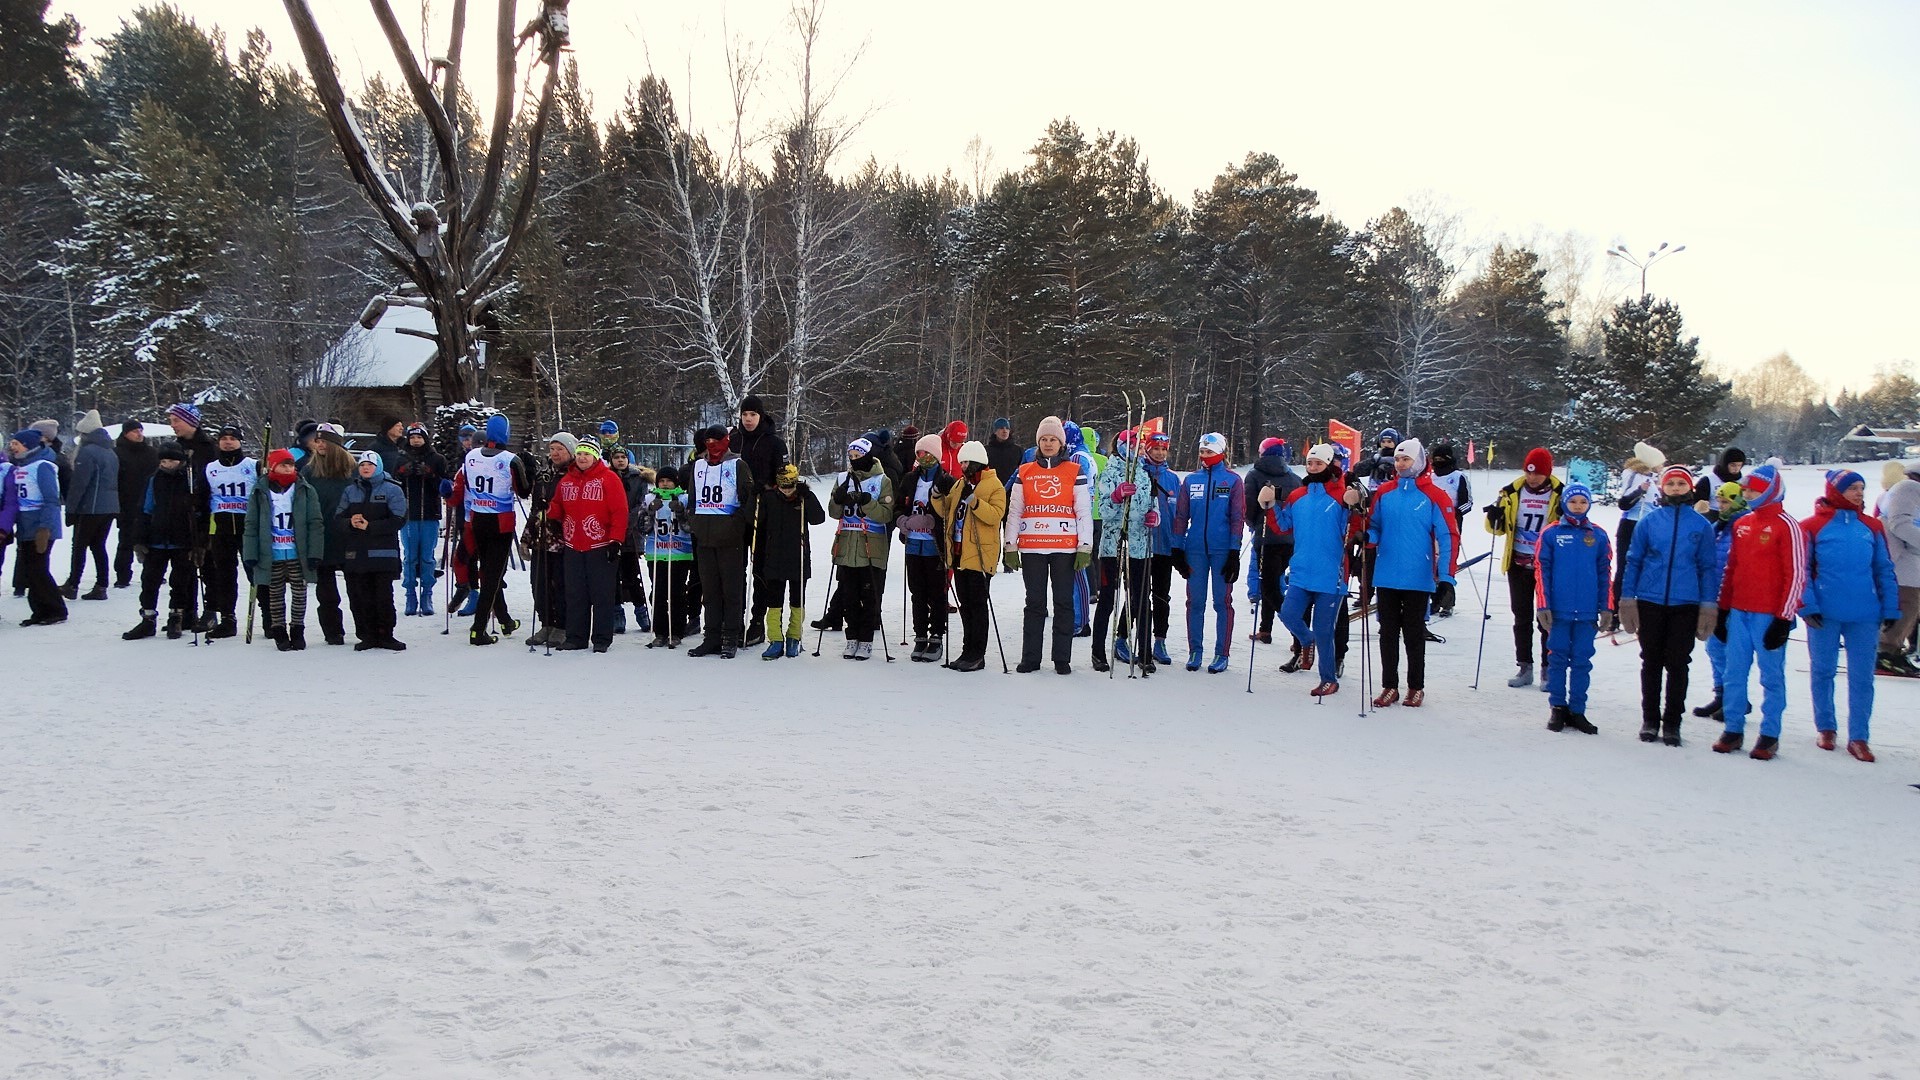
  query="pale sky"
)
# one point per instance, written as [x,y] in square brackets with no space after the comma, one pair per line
[1777,141]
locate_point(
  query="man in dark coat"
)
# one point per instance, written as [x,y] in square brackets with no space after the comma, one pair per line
[138,461]
[755,440]
[1003,454]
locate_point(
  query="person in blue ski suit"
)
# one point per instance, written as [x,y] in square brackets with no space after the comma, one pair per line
[1729,506]
[1572,591]
[1669,595]
[1317,517]
[1415,541]
[1209,518]
[1851,593]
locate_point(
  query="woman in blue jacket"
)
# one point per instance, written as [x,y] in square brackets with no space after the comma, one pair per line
[1571,593]
[1415,540]
[1317,517]
[1669,594]
[1851,591]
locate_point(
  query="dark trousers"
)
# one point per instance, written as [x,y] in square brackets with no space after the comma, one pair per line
[43,596]
[723,590]
[548,571]
[1162,575]
[672,596]
[593,596]
[371,597]
[1520,594]
[326,591]
[927,591]
[1047,575]
[1403,617]
[163,565]
[971,588]
[221,572]
[1274,559]
[123,556]
[1622,537]
[1666,649]
[89,535]
[491,547]
[860,598]
[632,590]
[1132,591]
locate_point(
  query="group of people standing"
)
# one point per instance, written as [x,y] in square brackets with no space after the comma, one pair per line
[721,541]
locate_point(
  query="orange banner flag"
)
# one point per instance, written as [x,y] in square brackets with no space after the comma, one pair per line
[1342,435]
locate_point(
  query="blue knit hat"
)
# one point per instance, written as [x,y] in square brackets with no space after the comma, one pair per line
[498,430]
[28,437]
[1567,495]
[1763,486]
[609,428]
[186,413]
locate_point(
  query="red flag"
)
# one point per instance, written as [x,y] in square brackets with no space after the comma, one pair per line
[1343,435]
[1470,457]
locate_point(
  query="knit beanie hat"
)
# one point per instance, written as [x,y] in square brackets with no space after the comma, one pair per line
[786,475]
[1413,449]
[89,423]
[185,413]
[498,430]
[1002,424]
[1649,454]
[417,429]
[1213,444]
[367,457]
[859,448]
[1892,473]
[48,429]
[1842,479]
[331,433]
[587,444]
[1676,469]
[29,437]
[1322,453]
[973,453]
[752,404]
[1051,426]
[1763,486]
[566,439]
[1540,461]
[928,444]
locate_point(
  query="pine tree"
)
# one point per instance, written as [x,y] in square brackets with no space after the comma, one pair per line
[157,215]
[1513,343]
[1648,383]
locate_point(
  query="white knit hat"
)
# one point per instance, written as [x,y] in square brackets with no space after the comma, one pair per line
[973,452]
[1323,453]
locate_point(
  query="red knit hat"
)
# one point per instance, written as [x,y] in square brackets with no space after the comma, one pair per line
[276,457]
[1540,461]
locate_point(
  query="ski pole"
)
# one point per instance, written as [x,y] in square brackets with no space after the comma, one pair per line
[880,621]
[1259,600]
[833,571]
[1486,597]
[995,616]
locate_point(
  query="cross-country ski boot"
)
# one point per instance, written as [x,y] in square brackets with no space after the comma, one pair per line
[1219,664]
[776,648]
[1193,660]
[1160,654]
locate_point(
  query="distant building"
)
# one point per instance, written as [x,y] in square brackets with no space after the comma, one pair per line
[1865,443]
[383,372]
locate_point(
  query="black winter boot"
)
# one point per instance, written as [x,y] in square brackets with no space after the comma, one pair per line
[1710,708]
[296,638]
[149,625]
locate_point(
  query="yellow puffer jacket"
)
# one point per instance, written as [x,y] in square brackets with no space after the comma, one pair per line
[986,513]
[1509,503]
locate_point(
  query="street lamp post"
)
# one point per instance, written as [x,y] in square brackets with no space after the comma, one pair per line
[1653,256]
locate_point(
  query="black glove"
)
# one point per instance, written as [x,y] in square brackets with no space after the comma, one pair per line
[613,553]
[1496,518]
[1180,563]
[1232,572]
[1776,634]
[1443,596]
[943,485]
[862,498]
[1720,628]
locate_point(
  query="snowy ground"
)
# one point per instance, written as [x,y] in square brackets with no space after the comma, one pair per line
[462,863]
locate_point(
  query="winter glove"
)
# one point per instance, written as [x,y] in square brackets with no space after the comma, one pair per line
[1180,563]
[1544,619]
[943,485]
[1630,617]
[1232,571]
[1352,498]
[446,489]
[1814,621]
[862,498]
[1124,491]
[1010,559]
[1720,627]
[1702,626]
[1082,560]
[1443,596]
[1153,519]
[613,553]
[1266,497]
[42,540]
[917,523]
[1776,635]
[1496,518]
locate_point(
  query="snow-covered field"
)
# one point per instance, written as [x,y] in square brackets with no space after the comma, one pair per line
[456,862]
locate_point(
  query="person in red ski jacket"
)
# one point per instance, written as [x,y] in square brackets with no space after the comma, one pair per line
[1760,593]
[590,507]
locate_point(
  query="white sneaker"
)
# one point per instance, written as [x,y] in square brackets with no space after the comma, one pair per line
[866,651]
[853,651]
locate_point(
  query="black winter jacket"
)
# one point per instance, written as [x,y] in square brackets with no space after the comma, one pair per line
[138,462]
[780,552]
[419,474]
[1269,470]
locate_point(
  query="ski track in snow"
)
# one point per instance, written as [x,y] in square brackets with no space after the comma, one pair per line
[466,863]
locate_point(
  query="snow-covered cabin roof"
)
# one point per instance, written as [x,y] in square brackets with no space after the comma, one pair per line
[382,357]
